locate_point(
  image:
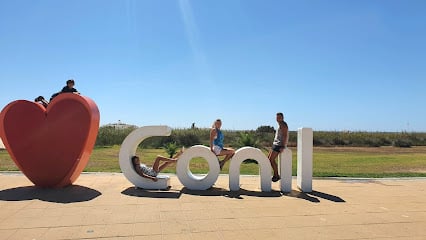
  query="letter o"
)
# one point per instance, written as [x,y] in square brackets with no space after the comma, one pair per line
[185,175]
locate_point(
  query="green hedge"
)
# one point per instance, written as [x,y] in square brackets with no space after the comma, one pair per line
[263,137]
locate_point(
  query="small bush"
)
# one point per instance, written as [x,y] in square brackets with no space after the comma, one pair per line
[171,148]
[402,143]
[247,139]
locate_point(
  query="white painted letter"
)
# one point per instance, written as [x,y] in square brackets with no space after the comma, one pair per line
[263,162]
[304,158]
[185,175]
[128,150]
[285,161]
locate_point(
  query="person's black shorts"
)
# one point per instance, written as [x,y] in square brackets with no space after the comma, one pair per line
[277,148]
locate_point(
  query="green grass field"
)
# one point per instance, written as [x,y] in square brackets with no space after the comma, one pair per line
[328,161]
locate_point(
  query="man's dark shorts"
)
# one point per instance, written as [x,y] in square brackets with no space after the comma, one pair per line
[277,148]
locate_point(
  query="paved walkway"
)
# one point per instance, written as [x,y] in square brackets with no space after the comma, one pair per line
[106,206]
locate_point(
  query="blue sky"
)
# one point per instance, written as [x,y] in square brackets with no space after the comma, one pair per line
[329,65]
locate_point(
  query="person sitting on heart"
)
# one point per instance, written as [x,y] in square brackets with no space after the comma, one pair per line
[69,88]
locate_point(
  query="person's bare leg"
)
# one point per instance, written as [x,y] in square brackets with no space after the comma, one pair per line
[229,155]
[272,156]
[228,152]
[163,166]
[270,153]
[178,154]
[166,161]
[156,165]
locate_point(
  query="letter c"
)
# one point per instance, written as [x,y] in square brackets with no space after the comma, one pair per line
[128,149]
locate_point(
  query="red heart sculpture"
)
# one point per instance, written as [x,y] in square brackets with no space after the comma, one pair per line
[50,146]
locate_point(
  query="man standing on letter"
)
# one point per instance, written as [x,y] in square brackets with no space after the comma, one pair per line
[279,144]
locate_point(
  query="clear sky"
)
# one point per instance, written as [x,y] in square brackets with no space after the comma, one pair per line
[329,65]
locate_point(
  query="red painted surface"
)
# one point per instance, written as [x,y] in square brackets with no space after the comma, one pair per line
[50,146]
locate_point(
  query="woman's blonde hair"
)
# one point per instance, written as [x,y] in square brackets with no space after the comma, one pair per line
[214,123]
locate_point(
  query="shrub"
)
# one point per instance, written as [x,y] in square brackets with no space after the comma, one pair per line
[404,143]
[247,139]
[171,148]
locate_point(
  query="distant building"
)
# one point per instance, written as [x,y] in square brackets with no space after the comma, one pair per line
[120,125]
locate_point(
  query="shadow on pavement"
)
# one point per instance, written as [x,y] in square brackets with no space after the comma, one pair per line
[230,194]
[139,192]
[70,194]
[242,192]
[327,196]
[213,191]
[314,196]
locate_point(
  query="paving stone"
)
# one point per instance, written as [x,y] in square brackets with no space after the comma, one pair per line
[107,206]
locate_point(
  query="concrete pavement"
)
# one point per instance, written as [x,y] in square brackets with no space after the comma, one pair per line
[106,206]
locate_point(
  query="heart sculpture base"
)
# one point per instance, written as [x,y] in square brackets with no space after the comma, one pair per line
[51,146]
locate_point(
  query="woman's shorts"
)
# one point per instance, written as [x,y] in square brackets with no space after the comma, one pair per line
[217,149]
[149,171]
[277,148]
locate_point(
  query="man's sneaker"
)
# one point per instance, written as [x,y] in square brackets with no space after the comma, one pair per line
[275,178]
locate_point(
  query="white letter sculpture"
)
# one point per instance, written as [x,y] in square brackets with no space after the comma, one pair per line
[185,175]
[128,149]
[263,162]
[304,159]
[285,161]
